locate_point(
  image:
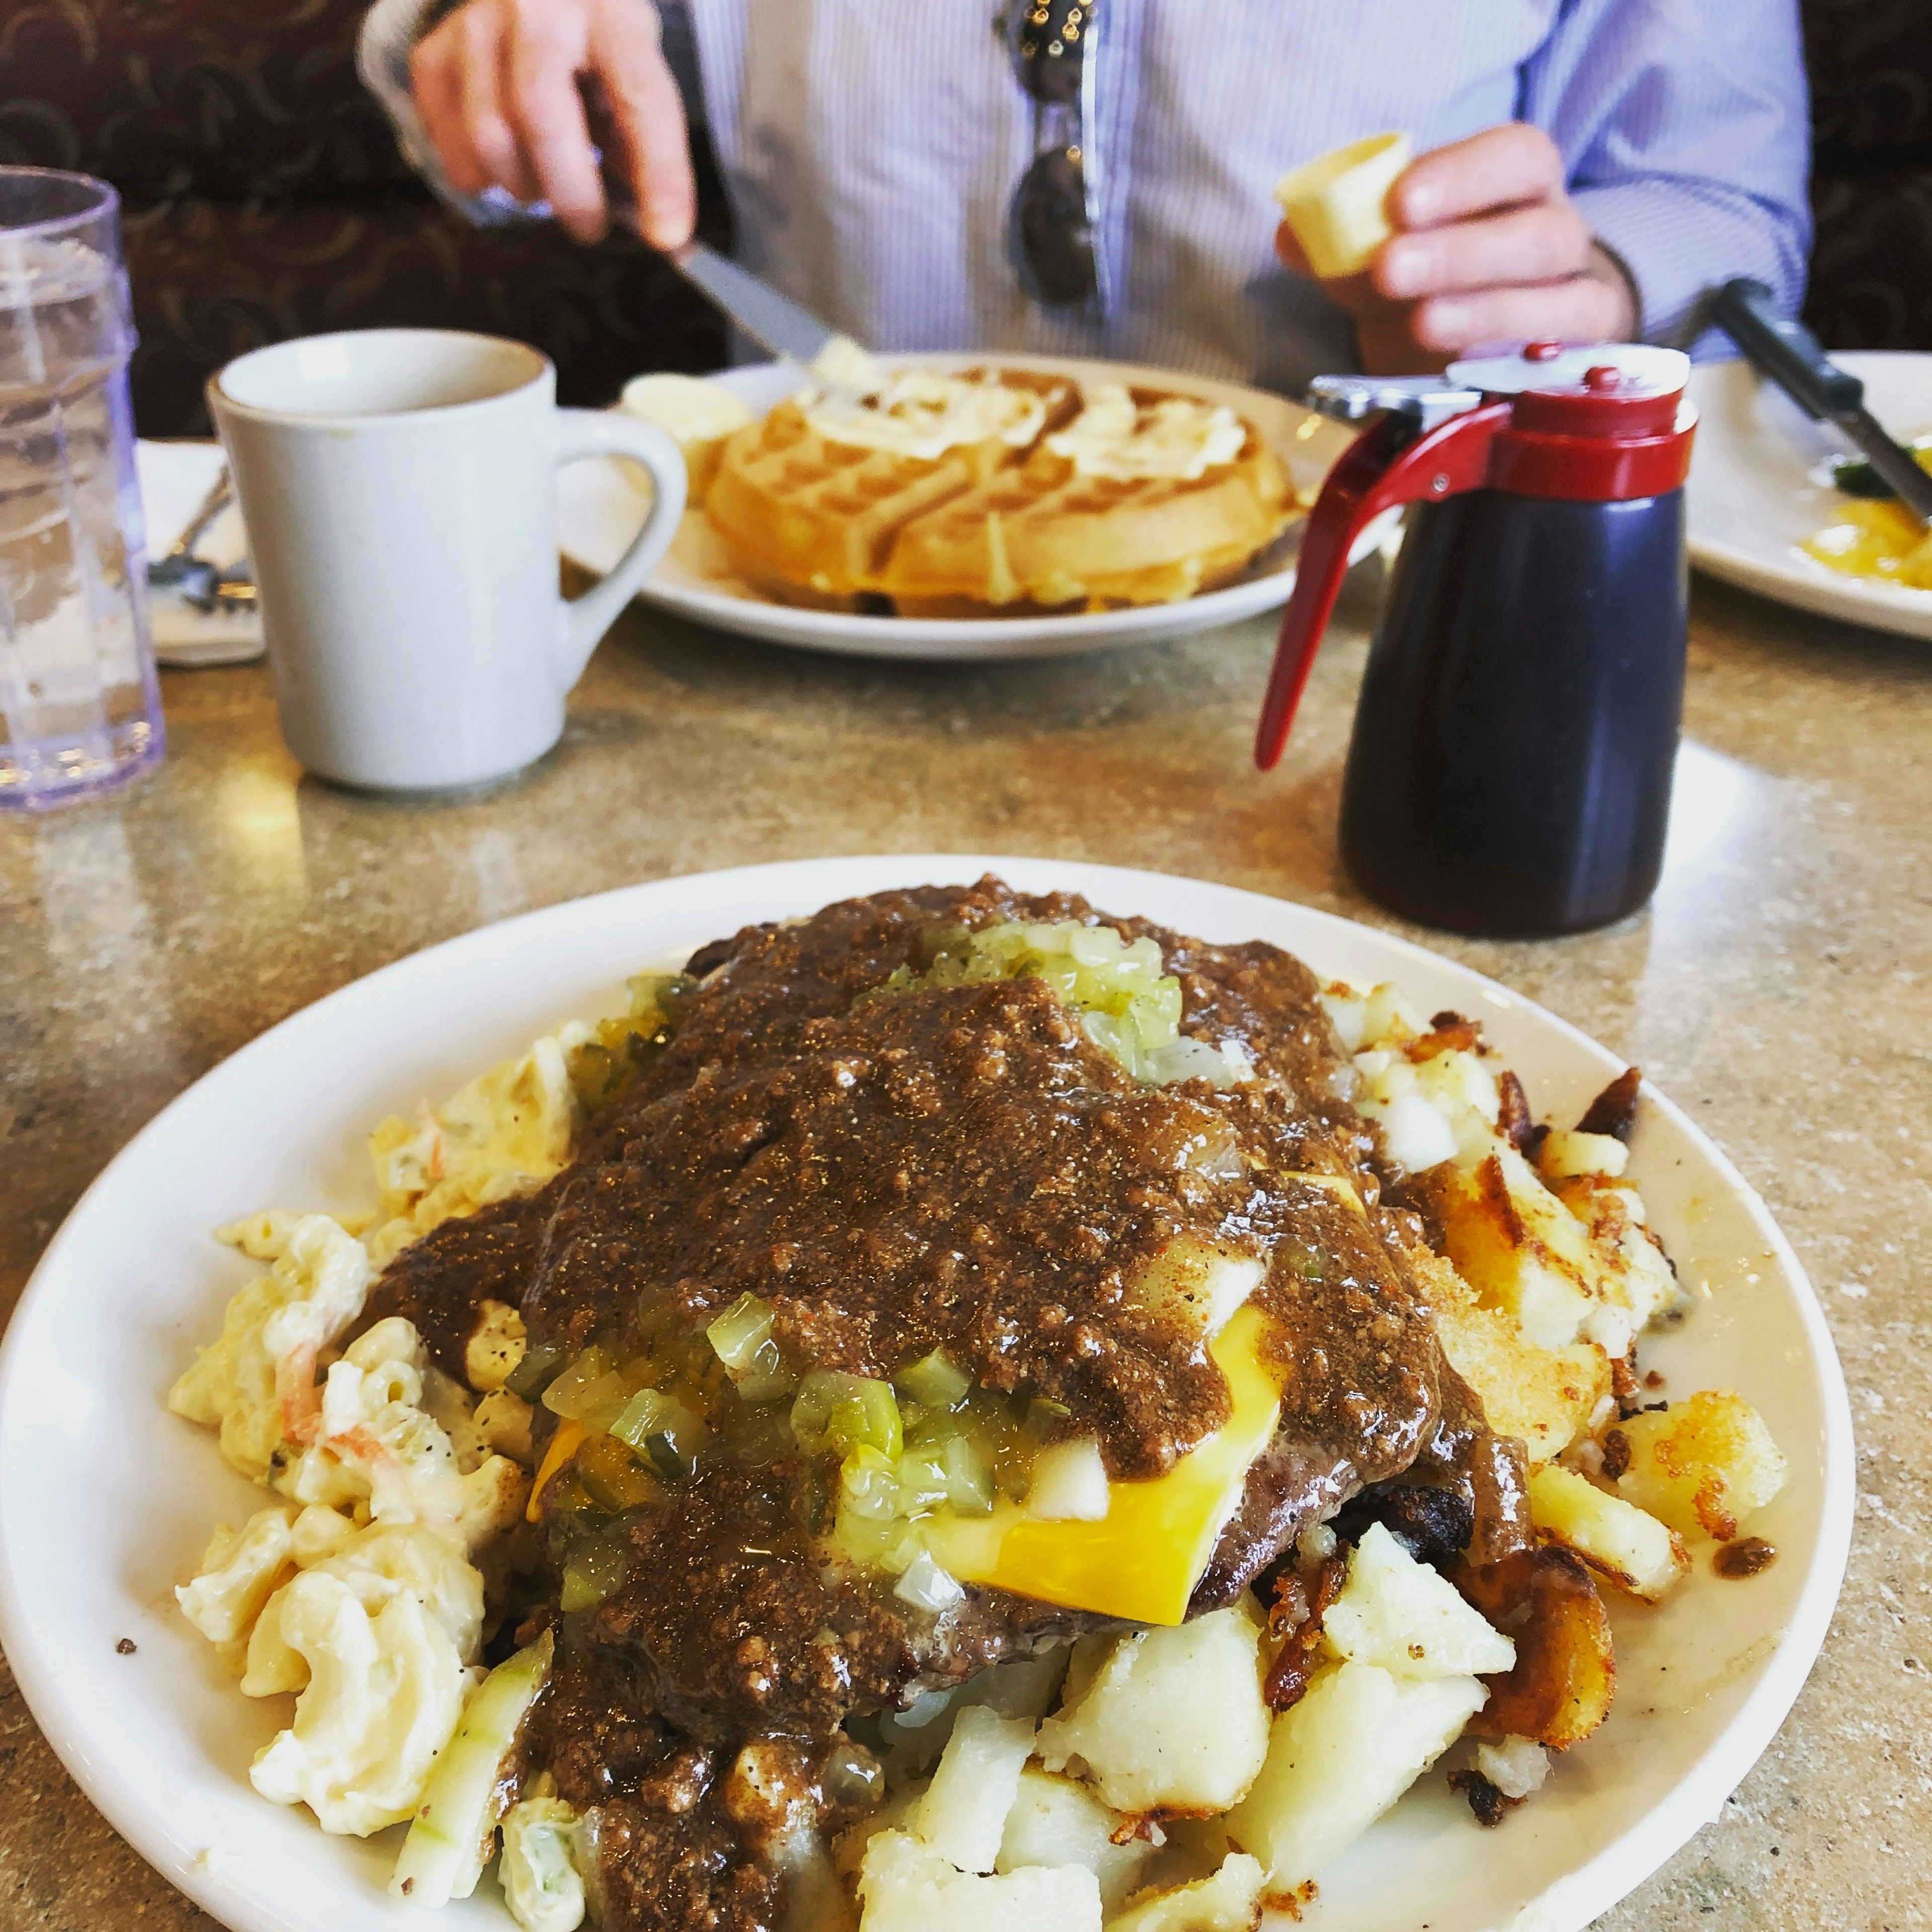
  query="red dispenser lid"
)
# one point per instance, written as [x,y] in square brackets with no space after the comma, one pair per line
[1596,422]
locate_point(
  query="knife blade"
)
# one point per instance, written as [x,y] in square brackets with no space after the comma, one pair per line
[1793,357]
[793,334]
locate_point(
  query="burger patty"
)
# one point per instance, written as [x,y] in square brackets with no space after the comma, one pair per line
[892,1172]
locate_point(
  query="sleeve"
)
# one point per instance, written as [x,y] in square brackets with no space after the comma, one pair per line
[1684,127]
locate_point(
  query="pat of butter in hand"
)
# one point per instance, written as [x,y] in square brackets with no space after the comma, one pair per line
[1143,1558]
[1338,206]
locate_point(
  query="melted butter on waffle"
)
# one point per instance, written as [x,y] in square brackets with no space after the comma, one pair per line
[923,413]
[1173,437]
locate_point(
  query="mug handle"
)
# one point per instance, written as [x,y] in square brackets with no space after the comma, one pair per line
[582,432]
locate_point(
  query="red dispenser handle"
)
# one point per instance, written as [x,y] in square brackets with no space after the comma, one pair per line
[1378,472]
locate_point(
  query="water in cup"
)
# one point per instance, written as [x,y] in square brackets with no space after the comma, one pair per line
[80,703]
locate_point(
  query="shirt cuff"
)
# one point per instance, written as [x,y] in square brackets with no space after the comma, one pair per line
[1678,241]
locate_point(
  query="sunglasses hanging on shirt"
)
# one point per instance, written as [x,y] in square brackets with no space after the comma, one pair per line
[1050,227]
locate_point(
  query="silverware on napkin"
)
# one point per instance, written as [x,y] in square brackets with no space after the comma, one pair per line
[180,569]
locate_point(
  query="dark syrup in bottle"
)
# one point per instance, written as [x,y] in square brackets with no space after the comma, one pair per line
[1509,773]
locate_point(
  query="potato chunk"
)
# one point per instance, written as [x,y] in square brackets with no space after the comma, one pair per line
[1560,1690]
[1228,1901]
[905,1885]
[1399,1614]
[1618,1541]
[1544,1397]
[1704,1464]
[963,1812]
[1338,1759]
[1517,1246]
[1169,1719]
[1058,1821]
[1194,1287]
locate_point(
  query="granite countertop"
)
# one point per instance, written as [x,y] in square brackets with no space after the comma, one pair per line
[1779,987]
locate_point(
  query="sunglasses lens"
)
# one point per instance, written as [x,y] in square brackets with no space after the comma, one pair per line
[1053,245]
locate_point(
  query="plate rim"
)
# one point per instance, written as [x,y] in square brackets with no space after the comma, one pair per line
[1900,610]
[1568,1904]
[973,639]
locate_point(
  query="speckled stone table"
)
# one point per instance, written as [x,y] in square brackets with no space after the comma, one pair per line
[1780,986]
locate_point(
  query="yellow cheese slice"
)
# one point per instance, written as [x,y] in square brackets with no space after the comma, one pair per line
[1143,1559]
[563,1445]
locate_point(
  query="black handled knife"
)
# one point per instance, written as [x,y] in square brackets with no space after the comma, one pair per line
[1792,356]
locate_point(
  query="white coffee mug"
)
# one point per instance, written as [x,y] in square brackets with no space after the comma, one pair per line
[397,486]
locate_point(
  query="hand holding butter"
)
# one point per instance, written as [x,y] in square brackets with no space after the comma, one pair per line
[1477,241]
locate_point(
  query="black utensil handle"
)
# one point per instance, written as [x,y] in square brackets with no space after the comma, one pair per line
[1787,352]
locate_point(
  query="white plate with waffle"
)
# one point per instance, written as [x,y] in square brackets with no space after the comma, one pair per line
[601,507]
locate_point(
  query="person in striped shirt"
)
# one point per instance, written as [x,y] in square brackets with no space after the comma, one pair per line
[1587,168]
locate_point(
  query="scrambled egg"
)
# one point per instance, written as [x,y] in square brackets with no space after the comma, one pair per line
[1876,539]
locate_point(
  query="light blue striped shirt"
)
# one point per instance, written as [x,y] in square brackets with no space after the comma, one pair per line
[870,150]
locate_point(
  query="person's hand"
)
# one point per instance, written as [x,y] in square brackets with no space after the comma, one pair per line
[497,87]
[1488,247]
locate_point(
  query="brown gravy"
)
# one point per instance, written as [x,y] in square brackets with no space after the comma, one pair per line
[961,1168]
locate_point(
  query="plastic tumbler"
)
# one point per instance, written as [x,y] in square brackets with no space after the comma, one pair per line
[80,706]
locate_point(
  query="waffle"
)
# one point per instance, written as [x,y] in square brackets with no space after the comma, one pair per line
[985,530]
[1041,537]
[814,522]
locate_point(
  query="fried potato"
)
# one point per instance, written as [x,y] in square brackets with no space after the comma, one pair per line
[1705,1464]
[1400,1615]
[963,1814]
[1560,1690]
[1545,1397]
[1516,1244]
[905,1885]
[1337,1760]
[1058,1821]
[1229,1901]
[1172,1719]
[1642,1557]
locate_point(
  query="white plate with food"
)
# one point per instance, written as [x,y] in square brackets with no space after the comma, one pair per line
[601,507]
[1765,513]
[106,1499]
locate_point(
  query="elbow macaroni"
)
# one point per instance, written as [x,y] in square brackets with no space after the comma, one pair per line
[542,1884]
[358,1593]
[383,1696]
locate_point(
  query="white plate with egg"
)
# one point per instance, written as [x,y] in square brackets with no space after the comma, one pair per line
[1760,485]
[106,1498]
[602,504]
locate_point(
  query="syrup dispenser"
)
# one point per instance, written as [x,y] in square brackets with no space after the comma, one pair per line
[1510,771]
